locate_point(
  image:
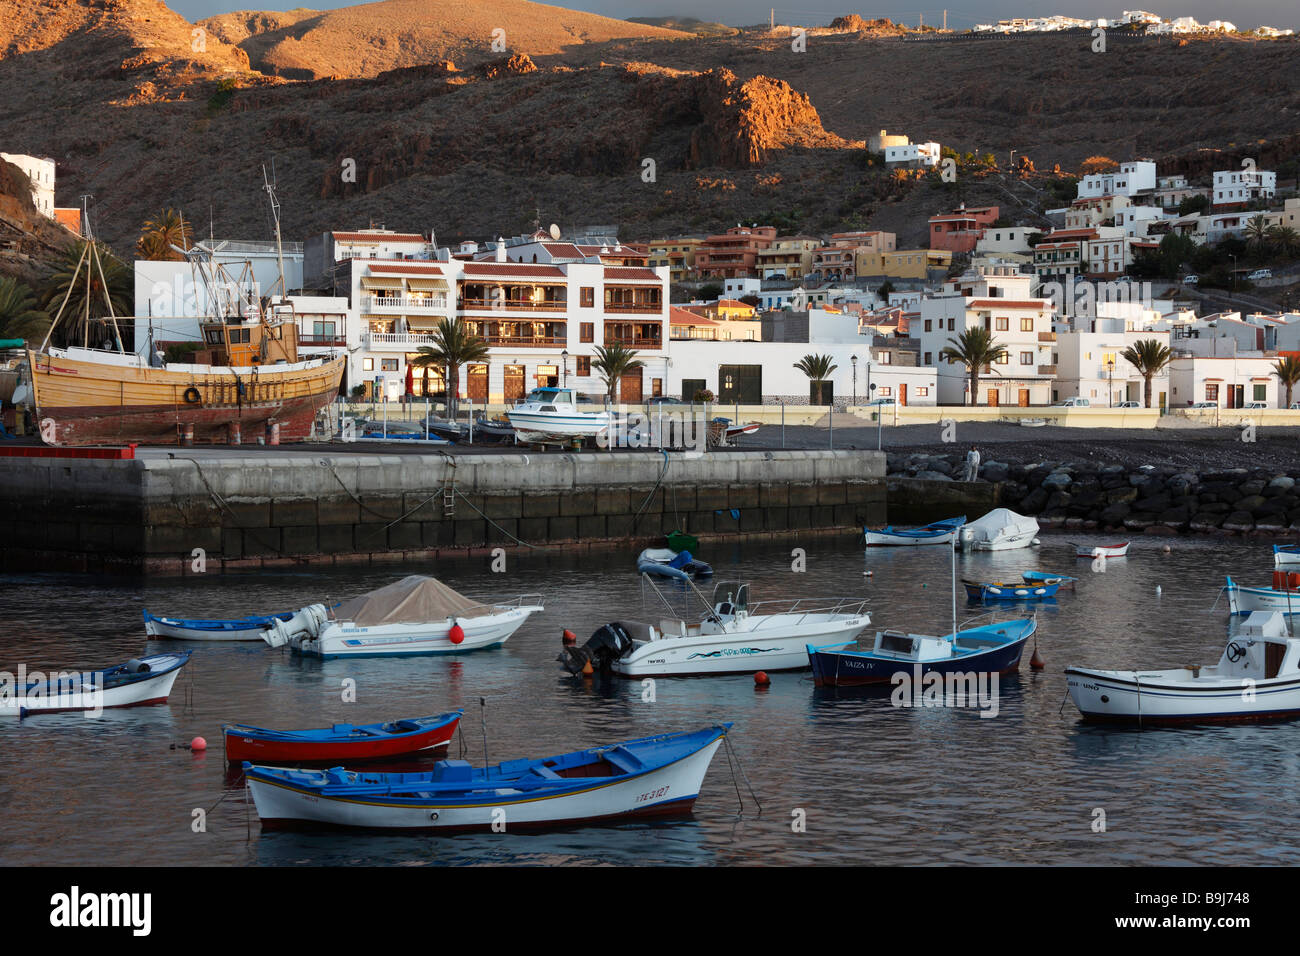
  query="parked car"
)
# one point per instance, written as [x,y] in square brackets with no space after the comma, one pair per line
[1191,280]
[1204,405]
[1294,405]
[1260,274]
[665,400]
[881,401]
[1073,403]
[1255,405]
[1128,405]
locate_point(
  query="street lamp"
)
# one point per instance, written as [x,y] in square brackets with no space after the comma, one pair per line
[564,365]
[854,360]
[1234,271]
[1110,385]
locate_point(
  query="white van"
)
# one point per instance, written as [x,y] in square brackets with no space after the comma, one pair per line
[1073,403]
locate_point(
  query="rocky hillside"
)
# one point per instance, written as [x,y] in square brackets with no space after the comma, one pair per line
[431,128]
[371,38]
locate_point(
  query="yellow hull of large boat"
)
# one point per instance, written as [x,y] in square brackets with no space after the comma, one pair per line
[84,397]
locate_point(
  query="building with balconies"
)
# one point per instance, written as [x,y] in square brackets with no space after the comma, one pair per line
[1240,187]
[788,257]
[733,253]
[959,231]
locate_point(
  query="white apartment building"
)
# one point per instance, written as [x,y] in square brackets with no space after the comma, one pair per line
[41,173]
[1242,186]
[1130,179]
[925,155]
[1091,365]
[1006,240]
[997,298]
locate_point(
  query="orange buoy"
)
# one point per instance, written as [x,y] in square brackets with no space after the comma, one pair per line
[198,744]
[1036,662]
[456,634]
[569,637]
[761,679]
[587,669]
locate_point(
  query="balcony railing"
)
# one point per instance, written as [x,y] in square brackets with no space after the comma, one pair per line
[332,339]
[633,341]
[1047,370]
[652,308]
[511,305]
[381,303]
[1047,336]
[398,340]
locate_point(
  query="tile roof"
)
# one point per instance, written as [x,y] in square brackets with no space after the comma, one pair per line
[522,270]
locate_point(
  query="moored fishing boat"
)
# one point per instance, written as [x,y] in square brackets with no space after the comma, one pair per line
[1011,591]
[416,615]
[939,532]
[1257,678]
[1102,550]
[1064,580]
[734,637]
[550,414]
[989,649]
[139,681]
[651,777]
[196,629]
[396,738]
[1286,555]
[1283,596]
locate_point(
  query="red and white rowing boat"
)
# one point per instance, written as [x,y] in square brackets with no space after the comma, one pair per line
[1102,550]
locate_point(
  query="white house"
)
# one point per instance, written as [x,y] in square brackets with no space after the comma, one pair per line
[1130,179]
[1091,365]
[913,154]
[1242,186]
[41,173]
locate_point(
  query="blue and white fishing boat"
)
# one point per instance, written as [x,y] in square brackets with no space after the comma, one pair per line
[551,414]
[1049,577]
[667,563]
[1243,600]
[196,629]
[940,532]
[1262,657]
[139,681]
[1011,591]
[1286,555]
[650,777]
[989,649]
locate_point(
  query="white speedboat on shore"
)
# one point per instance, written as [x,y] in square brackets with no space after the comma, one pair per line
[734,637]
[999,530]
[417,615]
[1256,678]
[550,414]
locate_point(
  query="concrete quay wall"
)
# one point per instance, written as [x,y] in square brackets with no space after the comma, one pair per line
[181,514]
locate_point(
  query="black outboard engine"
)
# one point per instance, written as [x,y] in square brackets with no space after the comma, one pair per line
[603,648]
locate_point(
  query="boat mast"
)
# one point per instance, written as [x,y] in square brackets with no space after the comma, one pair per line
[275,214]
[953,544]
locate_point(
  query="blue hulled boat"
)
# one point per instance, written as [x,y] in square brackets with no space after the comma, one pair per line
[1011,591]
[990,649]
[193,629]
[939,532]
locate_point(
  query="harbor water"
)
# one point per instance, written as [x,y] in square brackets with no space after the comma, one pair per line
[844,777]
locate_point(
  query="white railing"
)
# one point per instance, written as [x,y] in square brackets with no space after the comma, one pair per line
[380,303]
[849,606]
[398,339]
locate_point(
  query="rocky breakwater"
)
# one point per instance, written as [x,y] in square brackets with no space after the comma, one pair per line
[1143,499]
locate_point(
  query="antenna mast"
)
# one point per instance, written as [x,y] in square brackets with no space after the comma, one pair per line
[269,186]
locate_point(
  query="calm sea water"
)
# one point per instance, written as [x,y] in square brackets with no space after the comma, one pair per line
[874,783]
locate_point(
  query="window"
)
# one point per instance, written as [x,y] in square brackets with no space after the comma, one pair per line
[885,391]
[1003,325]
[388,365]
[367,365]
[927,359]
[952,324]
[587,296]
[1004,359]
[1261,393]
[929,325]
[1026,325]
[584,365]
[922,391]
[1211,393]
[586,331]
[885,358]
[1026,358]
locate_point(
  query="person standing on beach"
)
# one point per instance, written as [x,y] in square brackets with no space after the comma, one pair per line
[972,464]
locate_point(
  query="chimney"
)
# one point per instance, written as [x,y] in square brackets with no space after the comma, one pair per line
[501,249]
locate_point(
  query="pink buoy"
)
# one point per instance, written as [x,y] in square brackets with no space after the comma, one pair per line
[198,744]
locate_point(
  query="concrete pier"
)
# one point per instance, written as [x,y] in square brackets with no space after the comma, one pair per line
[192,513]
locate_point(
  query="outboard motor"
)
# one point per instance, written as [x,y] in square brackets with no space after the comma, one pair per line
[305,625]
[136,666]
[603,648]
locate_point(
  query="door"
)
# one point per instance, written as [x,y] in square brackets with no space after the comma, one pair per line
[629,387]
[993,397]
[741,384]
[656,387]
[477,385]
[690,387]
[1024,398]
[902,394]
[514,383]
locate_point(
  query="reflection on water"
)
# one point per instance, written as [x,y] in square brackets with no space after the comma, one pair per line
[875,783]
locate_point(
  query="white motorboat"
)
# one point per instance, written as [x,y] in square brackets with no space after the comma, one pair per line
[139,681]
[1257,678]
[550,414]
[999,530]
[734,637]
[1119,550]
[417,615]
[1283,596]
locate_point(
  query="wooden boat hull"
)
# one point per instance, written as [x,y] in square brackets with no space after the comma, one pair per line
[246,743]
[183,629]
[665,790]
[84,397]
[1286,557]
[1131,698]
[1102,551]
[999,591]
[1243,600]
[93,692]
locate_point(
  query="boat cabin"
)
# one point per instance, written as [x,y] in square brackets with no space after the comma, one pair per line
[549,398]
[1262,648]
[910,647]
[248,343]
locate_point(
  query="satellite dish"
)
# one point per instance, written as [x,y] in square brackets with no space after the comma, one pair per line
[555,231]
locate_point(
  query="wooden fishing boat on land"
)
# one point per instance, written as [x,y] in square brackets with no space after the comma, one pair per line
[196,629]
[146,680]
[396,738]
[1257,678]
[651,777]
[940,532]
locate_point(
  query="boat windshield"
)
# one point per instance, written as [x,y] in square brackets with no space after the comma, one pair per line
[733,594]
[551,396]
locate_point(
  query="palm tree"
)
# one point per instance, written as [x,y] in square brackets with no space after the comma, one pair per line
[613,362]
[20,318]
[974,348]
[818,368]
[1148,356]
[1285,239]
[85,284]
[454,345]
[1288,372]
[1257,233]
[164,230]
